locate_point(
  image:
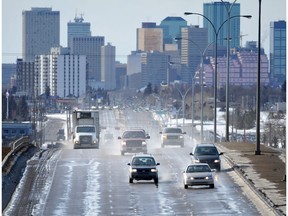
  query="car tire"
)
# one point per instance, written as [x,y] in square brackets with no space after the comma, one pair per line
[211,186]
[186,186]
[130,180]
[156,180]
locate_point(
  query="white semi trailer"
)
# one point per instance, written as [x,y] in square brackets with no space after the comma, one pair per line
[86,128]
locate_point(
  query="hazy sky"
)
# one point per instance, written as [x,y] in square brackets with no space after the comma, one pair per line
[118,20]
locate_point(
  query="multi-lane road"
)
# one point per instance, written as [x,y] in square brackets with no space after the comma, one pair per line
[95,181]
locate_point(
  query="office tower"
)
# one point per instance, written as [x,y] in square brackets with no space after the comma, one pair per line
[216,12]
[121,74]
[108,75]
[154,68]
[8,71]
[25,77]
[194,44]
[41,31]
[133,80]
[149,38]
[91,47]
[77,28]
[278,52]
[172,28]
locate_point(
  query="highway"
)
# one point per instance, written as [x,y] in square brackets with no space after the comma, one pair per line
[95,181]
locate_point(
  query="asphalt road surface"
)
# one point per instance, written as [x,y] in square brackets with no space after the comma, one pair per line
[95,181]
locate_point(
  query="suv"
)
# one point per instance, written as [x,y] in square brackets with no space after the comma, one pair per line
[207,153]
[134,141]
[143,167]
[172,136]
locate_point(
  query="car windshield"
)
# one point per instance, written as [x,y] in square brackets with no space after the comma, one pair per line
[134,134]
[143,161]
[85,129]
[198,168]
[172,130]
[206,151]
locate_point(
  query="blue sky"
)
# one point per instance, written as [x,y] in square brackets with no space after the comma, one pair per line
[118,20]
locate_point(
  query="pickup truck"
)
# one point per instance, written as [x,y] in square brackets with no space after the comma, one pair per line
[134,141]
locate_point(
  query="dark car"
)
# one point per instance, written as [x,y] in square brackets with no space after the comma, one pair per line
[207,153]
[61,134]
[143,167]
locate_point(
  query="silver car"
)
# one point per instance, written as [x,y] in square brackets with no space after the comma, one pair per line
[198,174]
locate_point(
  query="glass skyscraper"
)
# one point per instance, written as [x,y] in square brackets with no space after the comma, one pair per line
[277,52]
[77,28]
[41,31]
[217,13]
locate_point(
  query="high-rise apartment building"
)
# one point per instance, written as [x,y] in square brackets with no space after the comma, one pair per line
[277,52]
[91,47]
[194,44]
[243,68]
[150,38]
[172,28]
[78,28]
[217,13]
[108,59]
[40,32]
[64,74]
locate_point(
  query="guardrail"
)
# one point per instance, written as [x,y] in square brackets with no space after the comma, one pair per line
[16,145]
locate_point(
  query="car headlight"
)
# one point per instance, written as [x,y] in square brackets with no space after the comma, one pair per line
[191,178]
[208,177]
[164,136]
[216,161]
[123,143]
[133,170]
[154,170]
[180,137]
[144,143]
[196,161]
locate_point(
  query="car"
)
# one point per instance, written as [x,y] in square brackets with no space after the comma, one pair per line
[143,167]
[134,141]
[61,134]
[207,153]
[172,136]
[198,174]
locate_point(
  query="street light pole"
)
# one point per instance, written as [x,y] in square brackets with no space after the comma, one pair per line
[183,103]
[202,54]
[216,32]
[257,151]
[228,68]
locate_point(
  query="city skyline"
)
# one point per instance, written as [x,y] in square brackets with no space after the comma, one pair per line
[122,34]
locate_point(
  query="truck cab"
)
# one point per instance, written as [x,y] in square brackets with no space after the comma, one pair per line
[85,136]
[86,128]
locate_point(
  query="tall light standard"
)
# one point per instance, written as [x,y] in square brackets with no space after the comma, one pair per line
[183,96]
[228,9]
[216,32]
[202,54]
[258,151]
[7,97]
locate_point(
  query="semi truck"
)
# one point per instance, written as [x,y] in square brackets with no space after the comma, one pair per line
[86,128]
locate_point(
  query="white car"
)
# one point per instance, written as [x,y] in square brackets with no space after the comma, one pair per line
[198,174]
